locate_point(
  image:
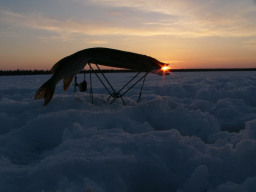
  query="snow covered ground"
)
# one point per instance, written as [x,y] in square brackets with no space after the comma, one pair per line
[191,132]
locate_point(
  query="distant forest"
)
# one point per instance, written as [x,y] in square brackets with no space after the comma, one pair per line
[23,72]
[42,72]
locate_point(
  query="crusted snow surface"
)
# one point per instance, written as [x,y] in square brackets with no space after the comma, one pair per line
[191,132]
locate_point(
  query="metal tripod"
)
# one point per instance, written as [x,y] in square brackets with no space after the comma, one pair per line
[111,90]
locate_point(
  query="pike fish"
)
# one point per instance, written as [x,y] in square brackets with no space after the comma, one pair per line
[69,66]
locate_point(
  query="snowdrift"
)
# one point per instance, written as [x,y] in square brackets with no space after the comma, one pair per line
[191,132]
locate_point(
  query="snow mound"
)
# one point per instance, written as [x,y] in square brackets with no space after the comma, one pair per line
[191,132]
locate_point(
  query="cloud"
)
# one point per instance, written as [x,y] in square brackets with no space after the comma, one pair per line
[72,27]
[87,27]
[196,17]
[183,50]
[97,42]
[251,44]
[151,18]
[164,6]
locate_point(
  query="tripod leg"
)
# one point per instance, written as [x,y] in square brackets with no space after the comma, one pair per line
[139,98]
[122,99]
[119,96]
[75,83]
[91,93]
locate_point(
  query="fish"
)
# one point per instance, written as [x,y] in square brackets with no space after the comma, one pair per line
[69,66]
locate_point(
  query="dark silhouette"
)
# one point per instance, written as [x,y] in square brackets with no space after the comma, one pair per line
[43,72]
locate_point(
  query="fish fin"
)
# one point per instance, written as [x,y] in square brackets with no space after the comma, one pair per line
[45,92]
[66,82]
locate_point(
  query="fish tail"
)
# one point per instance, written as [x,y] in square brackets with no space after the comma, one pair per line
[46,91]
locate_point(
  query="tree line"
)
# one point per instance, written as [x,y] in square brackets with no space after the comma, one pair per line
[42,72]
[23,72]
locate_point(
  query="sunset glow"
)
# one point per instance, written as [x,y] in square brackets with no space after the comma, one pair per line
[165,68]
[184,33]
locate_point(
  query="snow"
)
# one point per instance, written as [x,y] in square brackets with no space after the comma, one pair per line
[191,132]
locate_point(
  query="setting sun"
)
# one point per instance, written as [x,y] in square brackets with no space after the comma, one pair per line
[165,68]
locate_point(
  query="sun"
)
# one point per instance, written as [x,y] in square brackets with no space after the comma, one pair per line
[165,68]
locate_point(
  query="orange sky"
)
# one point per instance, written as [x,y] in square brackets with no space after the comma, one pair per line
[184,33]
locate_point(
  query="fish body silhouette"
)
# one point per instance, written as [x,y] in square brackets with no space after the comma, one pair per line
[69,66]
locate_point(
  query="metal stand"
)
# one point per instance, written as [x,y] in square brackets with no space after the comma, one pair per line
[91,93]
[75,84]
[110,89]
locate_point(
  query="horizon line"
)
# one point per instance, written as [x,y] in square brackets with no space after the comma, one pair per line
[43,71]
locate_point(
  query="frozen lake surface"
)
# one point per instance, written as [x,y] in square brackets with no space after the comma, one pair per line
[191,132]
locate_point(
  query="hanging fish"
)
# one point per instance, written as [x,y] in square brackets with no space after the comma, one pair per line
[71,65]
